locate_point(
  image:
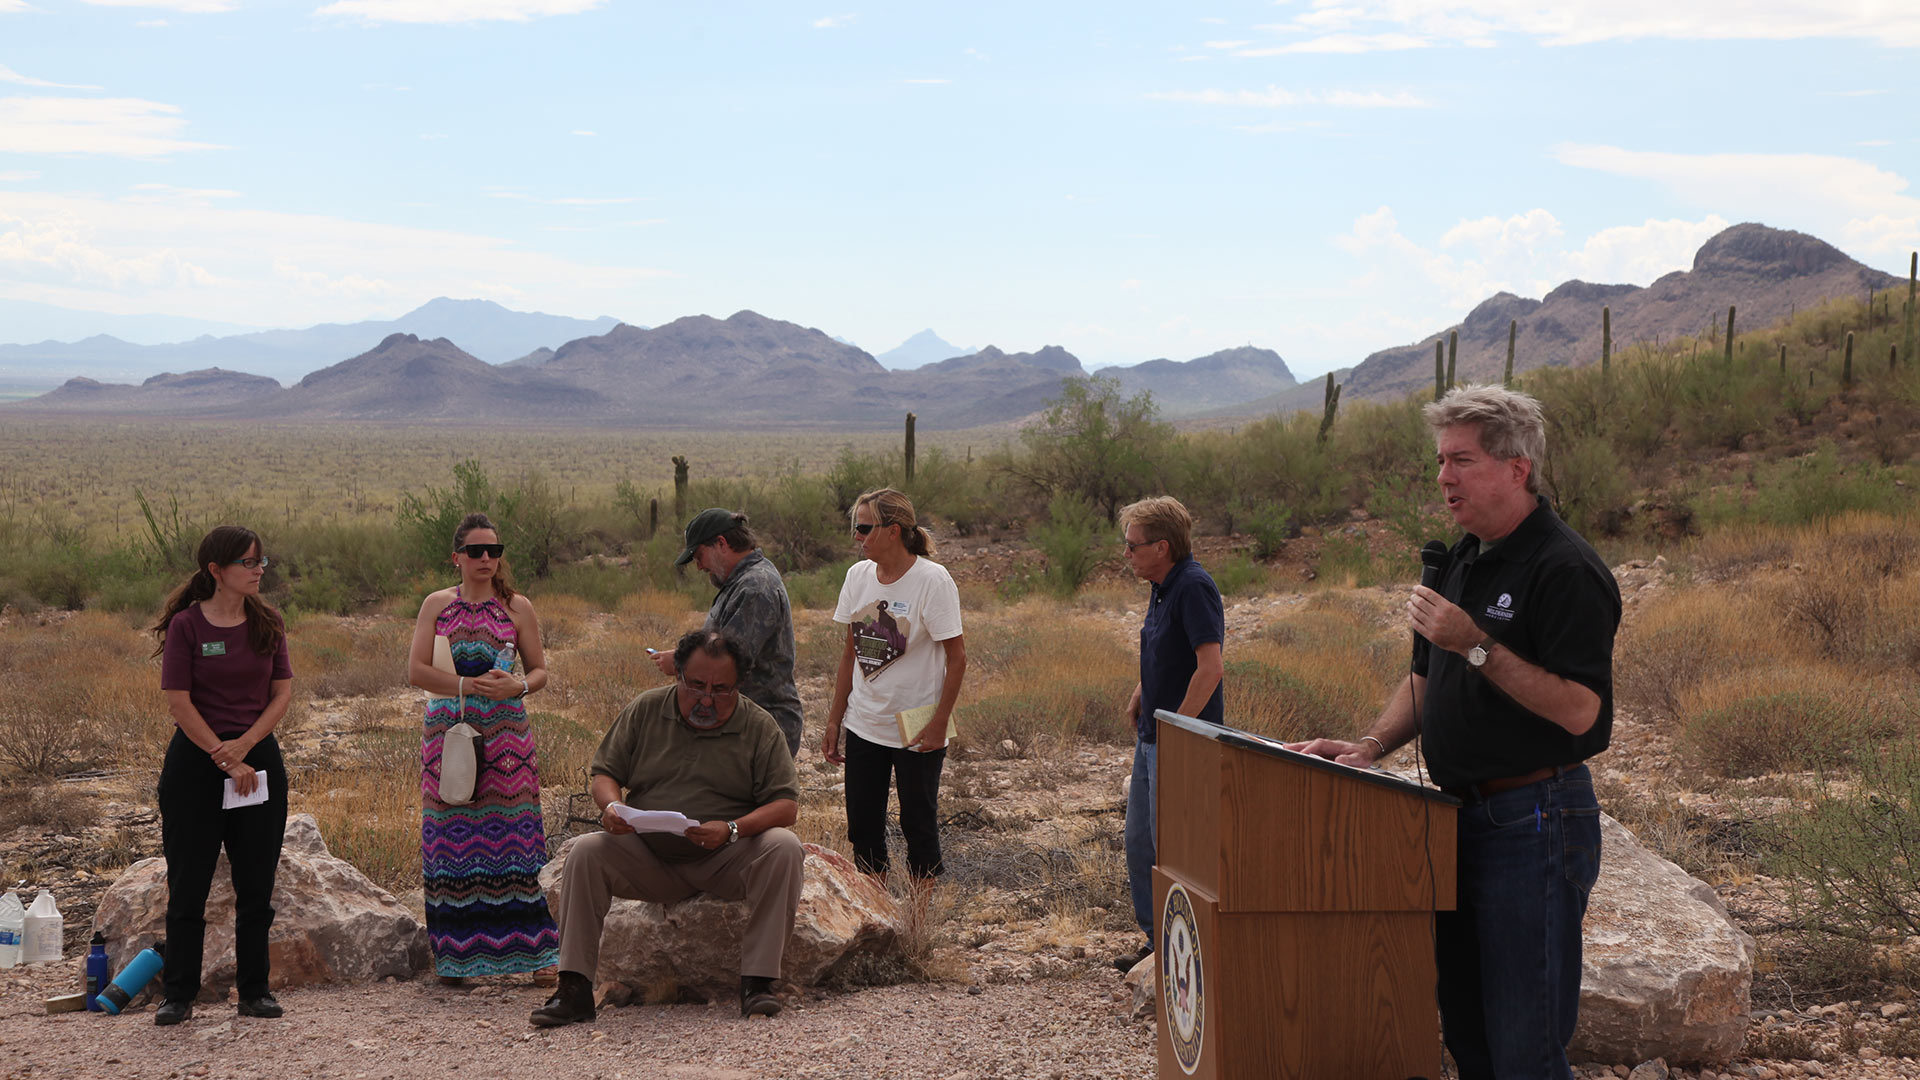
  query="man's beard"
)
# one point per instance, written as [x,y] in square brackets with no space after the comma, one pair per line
[703,717]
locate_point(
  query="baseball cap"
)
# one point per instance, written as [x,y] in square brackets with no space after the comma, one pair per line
[705,525]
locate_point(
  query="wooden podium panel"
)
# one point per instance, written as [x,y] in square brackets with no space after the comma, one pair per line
[1280,994]
[1294,904]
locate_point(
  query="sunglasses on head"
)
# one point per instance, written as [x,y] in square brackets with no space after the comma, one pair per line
[475,551]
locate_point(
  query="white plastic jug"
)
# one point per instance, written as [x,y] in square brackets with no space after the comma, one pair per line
[44,930]
[13,926]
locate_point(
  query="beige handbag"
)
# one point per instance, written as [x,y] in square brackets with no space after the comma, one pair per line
[460,746]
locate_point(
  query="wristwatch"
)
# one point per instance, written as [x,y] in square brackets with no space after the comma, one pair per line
[1477,656]
[733,831]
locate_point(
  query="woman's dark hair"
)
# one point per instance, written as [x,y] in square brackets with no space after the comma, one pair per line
[225,544]
[502,584]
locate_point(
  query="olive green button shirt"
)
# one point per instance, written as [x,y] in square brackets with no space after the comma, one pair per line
[718,775]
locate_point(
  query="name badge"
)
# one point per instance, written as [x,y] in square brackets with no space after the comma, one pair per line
[213,648]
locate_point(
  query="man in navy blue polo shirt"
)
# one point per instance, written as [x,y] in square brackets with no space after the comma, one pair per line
[1180,670]
[1511,691]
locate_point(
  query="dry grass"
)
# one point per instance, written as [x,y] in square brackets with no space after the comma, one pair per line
[342,658]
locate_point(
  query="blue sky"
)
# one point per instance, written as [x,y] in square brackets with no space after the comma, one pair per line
[1321,177]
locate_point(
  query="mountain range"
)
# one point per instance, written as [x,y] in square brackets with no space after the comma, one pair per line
[493,333]
[752,371]
[1765,274]
[925,347]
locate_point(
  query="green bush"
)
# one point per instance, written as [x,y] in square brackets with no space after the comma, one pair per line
[1845,858]
[1238,575]
[1074,539]
[1778,731]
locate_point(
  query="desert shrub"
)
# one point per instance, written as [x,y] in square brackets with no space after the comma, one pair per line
[1589,484]
[1788,717]
[333,658]
[1842,858]
[1075,539]
[1685,636]
[1238,575]
[817,589]
[54,808]
[1302,691]
[1271,526]
[564,619]
[566,748]
[597,584]
[365,796]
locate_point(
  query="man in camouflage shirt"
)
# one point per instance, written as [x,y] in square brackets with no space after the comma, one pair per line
[752,608]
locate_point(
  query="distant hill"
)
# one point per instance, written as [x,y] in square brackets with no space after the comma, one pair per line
[1765,273]
[483,328]
[1208,382]
[925,347]
[23,322]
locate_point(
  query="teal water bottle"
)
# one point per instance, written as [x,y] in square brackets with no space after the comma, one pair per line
[132,979]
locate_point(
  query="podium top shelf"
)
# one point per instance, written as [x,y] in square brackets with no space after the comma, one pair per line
[1260,744]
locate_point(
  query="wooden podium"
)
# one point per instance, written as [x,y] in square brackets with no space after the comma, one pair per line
[1294,901]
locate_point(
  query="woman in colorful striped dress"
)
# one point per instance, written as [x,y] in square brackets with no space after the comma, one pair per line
[486,913]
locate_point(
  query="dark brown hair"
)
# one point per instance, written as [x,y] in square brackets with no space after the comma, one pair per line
[502,585]
[225,544]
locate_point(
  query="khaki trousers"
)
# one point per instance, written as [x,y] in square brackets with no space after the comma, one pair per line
[763,870]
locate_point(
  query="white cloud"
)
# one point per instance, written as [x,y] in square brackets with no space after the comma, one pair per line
[1274,97]
[9,7]
[833,22]
[1526,254]
[8,75]
[170,193]
[14,176]
[455,11]
[1824,194]
[1352,26]
[124,127]
[222,261]
[191,7]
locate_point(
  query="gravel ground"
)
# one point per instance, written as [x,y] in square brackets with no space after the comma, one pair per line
[1045,1028]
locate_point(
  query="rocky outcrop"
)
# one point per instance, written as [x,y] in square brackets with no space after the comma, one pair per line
[331,924]
[694,946]
[1667,974]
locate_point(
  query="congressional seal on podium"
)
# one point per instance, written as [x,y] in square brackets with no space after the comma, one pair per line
[1182,978]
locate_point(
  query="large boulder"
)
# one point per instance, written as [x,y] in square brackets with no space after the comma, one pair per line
[330,923]
[1666,973]
[694,946]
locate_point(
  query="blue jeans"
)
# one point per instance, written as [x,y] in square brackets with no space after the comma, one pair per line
[1509,956]
[1142,838]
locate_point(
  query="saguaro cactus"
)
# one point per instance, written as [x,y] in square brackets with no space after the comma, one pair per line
[1729,335]
[1783,358]
[1513,329]
[1453,350]
[1439,368]
[680,487]
[653,517]
[1913,278]
[1332,406]
[1606,339]
[1846,366]
[909,448]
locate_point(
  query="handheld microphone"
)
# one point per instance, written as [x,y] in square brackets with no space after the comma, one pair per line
[1433,563]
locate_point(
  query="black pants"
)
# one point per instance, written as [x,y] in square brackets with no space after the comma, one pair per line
[868,766]
[193,828]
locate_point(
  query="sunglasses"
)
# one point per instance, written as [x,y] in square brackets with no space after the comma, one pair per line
[1133,545]
[863,528]
[476,551]
[251,562]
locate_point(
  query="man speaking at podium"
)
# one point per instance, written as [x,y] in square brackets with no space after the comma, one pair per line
[1511,691]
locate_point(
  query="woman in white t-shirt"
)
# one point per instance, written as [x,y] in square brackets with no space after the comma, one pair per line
[904,654]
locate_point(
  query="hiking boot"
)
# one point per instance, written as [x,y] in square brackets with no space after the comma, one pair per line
[1127,961]
[756,996]
[263,1006]
[173,1012]
[571,1003]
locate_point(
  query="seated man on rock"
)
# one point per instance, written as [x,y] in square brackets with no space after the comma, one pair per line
[700,748]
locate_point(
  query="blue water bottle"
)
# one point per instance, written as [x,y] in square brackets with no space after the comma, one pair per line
[96,970]
[132,979]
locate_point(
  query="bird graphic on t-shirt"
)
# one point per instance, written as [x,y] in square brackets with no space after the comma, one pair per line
[880,640]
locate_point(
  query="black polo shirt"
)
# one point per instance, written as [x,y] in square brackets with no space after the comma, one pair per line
[1183,614]
[1544,594]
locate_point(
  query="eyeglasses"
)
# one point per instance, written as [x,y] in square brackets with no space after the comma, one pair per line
[476,551]
[1132,544]
[863,528]
[252,562]
[704,690]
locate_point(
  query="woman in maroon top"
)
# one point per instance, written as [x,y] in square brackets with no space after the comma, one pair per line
[224,668]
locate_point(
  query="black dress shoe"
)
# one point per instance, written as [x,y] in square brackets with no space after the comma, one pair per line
[1127,961]
[263,1006]
[756,996]
[571,1003]
[173,1012]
